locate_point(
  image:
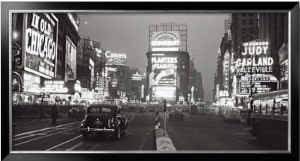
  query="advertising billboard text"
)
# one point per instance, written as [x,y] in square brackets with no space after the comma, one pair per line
[40,45]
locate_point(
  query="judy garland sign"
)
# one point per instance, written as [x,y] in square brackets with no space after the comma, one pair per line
[255,59]
[40,44]
[256,66]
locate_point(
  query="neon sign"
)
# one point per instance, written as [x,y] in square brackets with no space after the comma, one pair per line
[165,41]
[223,94]
[40,46]
[259,62]
[114,58]
[165,92]
[54,87]
[261,83]
[136,76]
[38,40]
[164,62]
[31,83]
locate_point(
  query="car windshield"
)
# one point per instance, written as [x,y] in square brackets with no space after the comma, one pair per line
[101,110]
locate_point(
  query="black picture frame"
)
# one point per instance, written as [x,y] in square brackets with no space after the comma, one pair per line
[292,7]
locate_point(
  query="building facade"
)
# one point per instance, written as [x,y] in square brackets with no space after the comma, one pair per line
[39,54]
[259,56]
[168,63]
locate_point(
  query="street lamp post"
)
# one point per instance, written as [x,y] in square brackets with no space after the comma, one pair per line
[165,117]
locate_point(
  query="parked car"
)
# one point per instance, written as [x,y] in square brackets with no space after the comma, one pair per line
[212,111]
[194,109]
[77,111]
[176,114]
[233,115]
[104,118]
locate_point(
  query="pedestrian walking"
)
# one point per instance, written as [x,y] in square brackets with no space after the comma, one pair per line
[54,114]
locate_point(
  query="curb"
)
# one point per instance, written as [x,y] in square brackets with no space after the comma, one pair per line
[163,143]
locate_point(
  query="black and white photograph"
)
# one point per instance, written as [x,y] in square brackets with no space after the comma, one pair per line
[151,81]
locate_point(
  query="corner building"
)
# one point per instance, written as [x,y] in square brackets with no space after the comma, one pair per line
[168,63]
[41,45]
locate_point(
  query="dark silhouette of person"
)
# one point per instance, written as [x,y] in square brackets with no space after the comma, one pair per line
[54,114]
[282,109]
[18,109]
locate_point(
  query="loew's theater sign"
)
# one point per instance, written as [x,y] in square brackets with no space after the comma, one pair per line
[54,86]
[260,83]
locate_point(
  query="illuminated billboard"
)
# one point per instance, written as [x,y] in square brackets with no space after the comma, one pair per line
[92,68]
[31,83]
[261,83]
[70,60]
[115,58]
[165,92]
[164,70]
[256,67]
[40,45]
[168,36]
[255,59]
[165,41]
[54,86]
[136,76]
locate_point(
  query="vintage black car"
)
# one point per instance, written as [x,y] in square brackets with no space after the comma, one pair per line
[77,111]
[104,118]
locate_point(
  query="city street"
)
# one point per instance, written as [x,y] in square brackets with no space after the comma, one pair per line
[210,132]
[104,77]
[66,137]
[197,132]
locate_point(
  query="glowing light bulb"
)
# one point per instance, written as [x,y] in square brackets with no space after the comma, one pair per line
[15,35]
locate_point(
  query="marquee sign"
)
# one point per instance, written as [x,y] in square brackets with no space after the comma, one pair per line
[255,59]
[223,94]
[31,83]
[54,86]
[261,83]
[40,46]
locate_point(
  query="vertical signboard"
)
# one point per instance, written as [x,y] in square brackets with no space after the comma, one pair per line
[91,67]
[226,70]
[40,45]
[256,67]
[70,60]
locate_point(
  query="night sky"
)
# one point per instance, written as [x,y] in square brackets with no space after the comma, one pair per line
[129,33]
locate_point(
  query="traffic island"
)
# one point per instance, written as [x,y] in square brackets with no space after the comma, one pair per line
[163,142]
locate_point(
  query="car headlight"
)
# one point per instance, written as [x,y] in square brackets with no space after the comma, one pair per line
[82,123]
